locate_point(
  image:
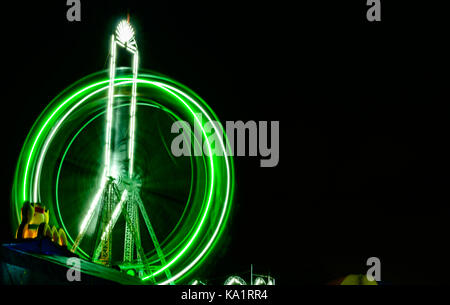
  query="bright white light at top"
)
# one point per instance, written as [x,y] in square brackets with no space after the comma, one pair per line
[124,32]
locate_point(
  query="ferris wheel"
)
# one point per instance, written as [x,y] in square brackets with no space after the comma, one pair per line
[99,156]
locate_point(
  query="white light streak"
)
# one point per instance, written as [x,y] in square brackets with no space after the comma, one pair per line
[109,110]
[92,207]
[115,215]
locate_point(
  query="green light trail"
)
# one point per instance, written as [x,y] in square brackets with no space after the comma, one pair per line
[195,239]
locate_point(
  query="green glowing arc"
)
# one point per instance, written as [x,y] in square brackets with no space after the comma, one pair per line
[185,97]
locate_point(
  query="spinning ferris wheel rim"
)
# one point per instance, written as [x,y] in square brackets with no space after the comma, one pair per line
[169,87]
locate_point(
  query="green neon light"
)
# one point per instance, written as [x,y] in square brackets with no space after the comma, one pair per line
[222,217]
[194,247]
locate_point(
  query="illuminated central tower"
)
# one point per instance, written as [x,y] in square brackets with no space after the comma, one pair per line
[110,202]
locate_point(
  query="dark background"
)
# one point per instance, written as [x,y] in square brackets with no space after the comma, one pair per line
[362,107]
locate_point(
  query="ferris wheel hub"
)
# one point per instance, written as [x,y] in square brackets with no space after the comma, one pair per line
[131,184]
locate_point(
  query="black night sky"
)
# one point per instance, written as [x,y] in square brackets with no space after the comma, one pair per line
[363,111]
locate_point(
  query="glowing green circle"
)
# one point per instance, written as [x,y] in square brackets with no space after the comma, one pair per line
[216,207]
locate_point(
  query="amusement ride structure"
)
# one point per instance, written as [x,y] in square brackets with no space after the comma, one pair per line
[121,197]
